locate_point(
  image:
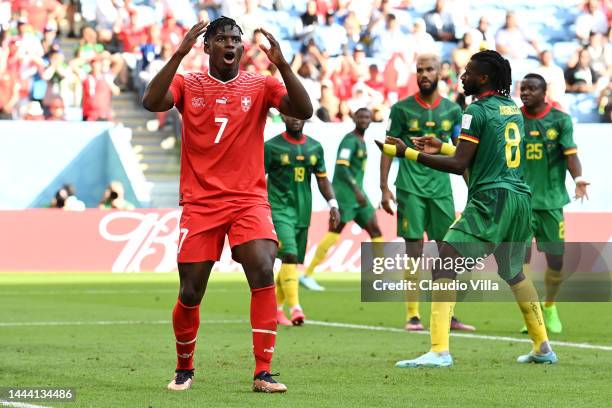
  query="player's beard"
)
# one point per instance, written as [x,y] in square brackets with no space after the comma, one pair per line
[431,89]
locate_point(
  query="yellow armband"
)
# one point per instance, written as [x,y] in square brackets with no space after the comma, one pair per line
[447,149]
[389,150]
[411,154]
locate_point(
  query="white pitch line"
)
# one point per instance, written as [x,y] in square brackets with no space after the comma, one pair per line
[5,403]
[454,334]
[309,322]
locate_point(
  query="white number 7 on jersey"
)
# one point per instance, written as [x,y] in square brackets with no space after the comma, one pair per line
[223,122]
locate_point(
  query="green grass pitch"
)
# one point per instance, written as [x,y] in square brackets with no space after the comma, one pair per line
[121,354]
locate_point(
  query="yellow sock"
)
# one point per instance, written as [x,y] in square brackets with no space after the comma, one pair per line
[527,298]
[280,295]
[526,271]
[327,242]
[378,239]
[412,297]
[289,283]
[553,281]
[443,303]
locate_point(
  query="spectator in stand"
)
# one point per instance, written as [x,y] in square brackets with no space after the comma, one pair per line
[592,18]
[114,198]
[88,48]
[329,104]
[482,37]
[39,13]
[375,80]
[309,20]
[66,199]
[554,76]
[252,18]
[56,109]
[58,76]
[390,41]
[422,41]
[172,33]
[49,41]
[597,50]
[254,55]
[580,76]
[604,102]
[512,43]
[33,111]
[331,37]
[439,22]
[98,90]
[353,30]
[462,54]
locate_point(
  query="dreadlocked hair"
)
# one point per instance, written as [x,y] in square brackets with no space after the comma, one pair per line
[497,68]
[217,23]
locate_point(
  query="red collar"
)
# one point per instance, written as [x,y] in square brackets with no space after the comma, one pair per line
[486,94]
[424,104]
[291,140]
[539,115]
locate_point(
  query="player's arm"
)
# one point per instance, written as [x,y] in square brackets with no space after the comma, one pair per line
[427,153]
[327,192]
[387,194]
[297,102]
[566,140]
[157,97]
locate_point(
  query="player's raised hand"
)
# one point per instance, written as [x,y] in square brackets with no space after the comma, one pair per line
[274,53]
[334,217]
[581,191]
[387,198]
[427,144]
[191,37]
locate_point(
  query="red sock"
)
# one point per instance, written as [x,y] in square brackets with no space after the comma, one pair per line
[263,325]
[186,321]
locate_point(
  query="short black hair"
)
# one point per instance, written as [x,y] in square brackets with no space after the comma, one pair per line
[364,109]
[217,23]
[497,68]
[538,78]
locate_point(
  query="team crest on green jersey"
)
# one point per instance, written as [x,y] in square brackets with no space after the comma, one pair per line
[551,134]
[313,159]
[360,153]
[284,158]
[414,125]
[446,125]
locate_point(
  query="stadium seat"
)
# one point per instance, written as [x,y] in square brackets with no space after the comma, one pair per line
[562,51]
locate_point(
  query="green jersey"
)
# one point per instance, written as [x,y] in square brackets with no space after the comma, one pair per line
[290,164]
[413,117]
[352,158]
[548,140]
[495,123]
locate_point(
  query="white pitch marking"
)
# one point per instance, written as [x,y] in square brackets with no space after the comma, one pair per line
[5,403]
[310,322]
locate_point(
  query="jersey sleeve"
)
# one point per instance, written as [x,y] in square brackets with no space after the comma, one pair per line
[319,167]
[395,124]
[177,87]
[472,124]
[456,123]
[267,156]
[566,138]
[345,153]
[274,91]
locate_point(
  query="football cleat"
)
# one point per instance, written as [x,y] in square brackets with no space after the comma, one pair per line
[533,357]
[414,324]
[457,325]
[182,380]
[282,319]
[263,382]
[551,319]
[297,316]
[430,360]
[309,283]
[524,330]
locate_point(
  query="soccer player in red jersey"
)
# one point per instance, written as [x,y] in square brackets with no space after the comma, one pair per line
[222,184]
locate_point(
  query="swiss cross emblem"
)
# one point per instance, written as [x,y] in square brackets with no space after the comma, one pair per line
[245,103]
[197,102]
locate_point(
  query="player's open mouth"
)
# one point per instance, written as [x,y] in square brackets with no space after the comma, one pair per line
[229,57]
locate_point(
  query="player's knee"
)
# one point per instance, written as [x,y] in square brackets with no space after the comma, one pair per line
[517,279]
[191,293]
[555,262]
[443,274]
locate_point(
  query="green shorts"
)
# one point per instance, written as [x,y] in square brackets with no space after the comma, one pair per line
[549,230]
[292,240]
[417,215]
[496,221]
[351,211]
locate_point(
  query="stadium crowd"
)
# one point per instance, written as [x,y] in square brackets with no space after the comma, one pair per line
[348,53]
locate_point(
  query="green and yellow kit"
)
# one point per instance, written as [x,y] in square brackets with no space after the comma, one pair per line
[497,217]
[548,141]
[350,166]
[424,195]
[290,163]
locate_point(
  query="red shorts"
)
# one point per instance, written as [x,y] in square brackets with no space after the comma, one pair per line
[203,229]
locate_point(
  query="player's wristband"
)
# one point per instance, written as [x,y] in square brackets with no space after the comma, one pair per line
[333,203]
[411,154]
[390,149]
[580,179]
[447,149]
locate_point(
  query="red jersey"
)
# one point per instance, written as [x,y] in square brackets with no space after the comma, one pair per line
[222,150]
